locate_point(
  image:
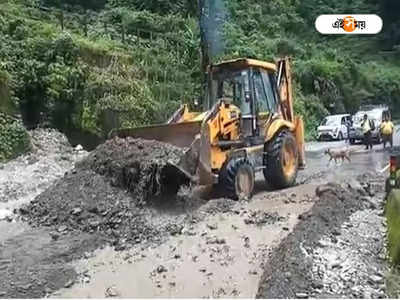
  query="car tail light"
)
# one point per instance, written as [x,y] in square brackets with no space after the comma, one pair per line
[393,163]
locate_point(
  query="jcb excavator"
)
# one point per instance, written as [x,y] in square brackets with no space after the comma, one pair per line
[248,125]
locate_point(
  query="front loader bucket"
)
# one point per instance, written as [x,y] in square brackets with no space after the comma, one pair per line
[183,135]
[179,134]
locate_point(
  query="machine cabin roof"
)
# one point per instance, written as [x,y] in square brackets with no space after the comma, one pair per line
[242,63]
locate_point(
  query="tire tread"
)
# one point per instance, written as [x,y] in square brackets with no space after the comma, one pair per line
[228,174]
[273,173]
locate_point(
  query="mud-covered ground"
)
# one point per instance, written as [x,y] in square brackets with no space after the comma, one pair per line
[338,248]
[31,263]
[109,227]
[113,197]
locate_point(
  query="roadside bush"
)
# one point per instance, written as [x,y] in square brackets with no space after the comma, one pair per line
[14,139]
[6,104]
[393,224]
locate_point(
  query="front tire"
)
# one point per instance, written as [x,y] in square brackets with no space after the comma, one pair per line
[352,141]
[281,160]
[237,179]
[340,136]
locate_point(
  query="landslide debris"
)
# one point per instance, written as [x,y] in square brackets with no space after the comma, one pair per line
[333,252]
[144,167]
[28,175]
[108,191]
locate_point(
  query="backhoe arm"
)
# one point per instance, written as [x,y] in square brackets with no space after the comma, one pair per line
[285,88]
[286,106]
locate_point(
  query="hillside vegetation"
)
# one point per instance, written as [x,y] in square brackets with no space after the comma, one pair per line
[95,65]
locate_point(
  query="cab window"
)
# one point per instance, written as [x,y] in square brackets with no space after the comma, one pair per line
[271,91]
[261,97]
[232,86]
[265,92]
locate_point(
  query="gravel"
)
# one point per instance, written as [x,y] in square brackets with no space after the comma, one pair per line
[335,249]
[110,193]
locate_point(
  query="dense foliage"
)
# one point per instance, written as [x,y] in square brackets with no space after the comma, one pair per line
[14,139]
[94,65]
[333,73]
[110,78]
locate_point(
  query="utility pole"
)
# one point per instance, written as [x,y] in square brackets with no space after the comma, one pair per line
[123,32]
[62,19]
[204,46]
[85,23]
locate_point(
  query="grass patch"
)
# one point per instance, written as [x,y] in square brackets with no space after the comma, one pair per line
[393,223]
[393,283]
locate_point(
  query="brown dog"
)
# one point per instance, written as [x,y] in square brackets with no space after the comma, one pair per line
[338,154]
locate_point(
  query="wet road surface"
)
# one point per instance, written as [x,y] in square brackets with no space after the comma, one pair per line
[222,260]
[195,268]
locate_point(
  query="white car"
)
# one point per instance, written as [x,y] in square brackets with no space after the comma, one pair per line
[333,127]
[376,115]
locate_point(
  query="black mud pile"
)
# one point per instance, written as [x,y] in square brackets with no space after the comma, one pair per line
[107,192]
[143,167]
[288,272]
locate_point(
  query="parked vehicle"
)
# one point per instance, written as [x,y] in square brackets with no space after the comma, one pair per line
[376,114]
[333,127]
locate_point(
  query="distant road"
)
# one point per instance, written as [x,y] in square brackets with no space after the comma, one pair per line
[316,147]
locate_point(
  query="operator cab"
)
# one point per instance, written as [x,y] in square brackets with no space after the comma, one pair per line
[250,85]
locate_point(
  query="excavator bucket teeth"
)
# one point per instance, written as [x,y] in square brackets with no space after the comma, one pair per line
[185,170]
[179,173]
[174,177]
[189,161]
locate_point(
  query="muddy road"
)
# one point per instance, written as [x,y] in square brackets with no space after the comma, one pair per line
[291,243]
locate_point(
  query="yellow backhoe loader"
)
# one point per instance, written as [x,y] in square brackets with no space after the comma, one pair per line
[248,125]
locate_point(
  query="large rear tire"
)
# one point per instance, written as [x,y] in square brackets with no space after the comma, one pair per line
[281,160]
[237,178]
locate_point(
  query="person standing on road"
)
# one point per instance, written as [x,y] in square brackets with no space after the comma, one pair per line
[367,127]
[387,131]
[348,125]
